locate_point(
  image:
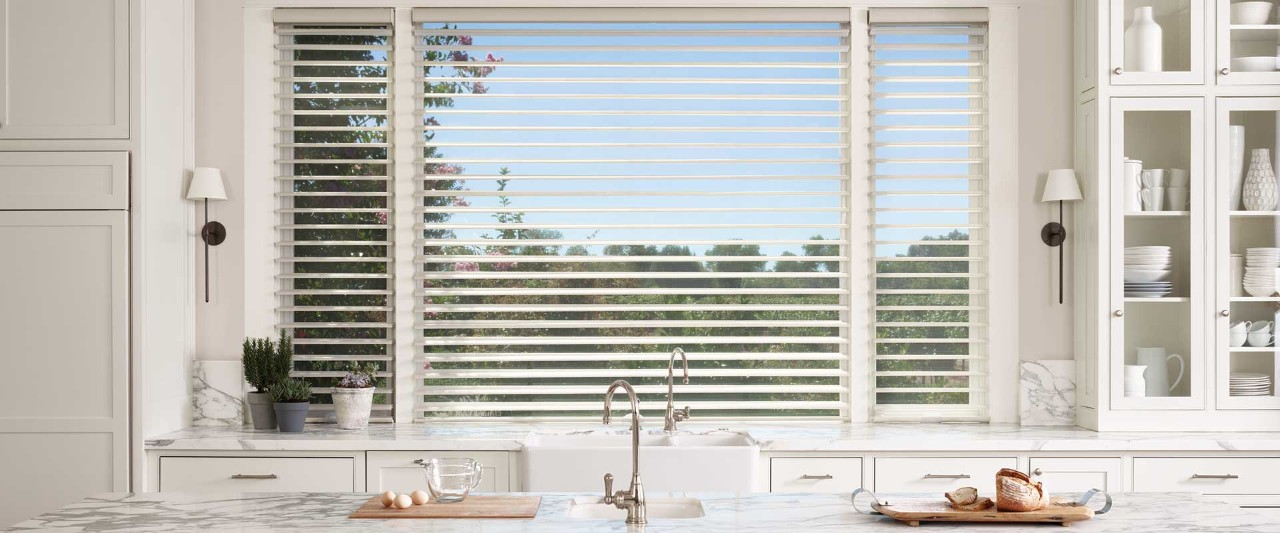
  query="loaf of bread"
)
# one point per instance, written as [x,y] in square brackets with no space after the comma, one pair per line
[967,499]
[1016,492]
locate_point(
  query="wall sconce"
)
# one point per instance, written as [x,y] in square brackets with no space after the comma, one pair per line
[1061,185]
[206,184]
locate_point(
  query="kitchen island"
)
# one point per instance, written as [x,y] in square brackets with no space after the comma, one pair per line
[254,512]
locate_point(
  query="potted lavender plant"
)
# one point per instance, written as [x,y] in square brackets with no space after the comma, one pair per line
[353,397]
[292,398]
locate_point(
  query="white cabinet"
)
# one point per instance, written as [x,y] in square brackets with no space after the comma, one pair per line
[1207,475]
[64,69]
[932,475]
[1079,474]
[1182,25]
[64,180]
[1244,46]
[258,474]
[815,474]
[398,472]
[64,410]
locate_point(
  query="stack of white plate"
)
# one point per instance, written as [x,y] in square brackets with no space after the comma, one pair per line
[1146,269]
[1260,271]
[1247,384]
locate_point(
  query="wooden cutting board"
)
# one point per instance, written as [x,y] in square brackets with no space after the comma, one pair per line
[494,506]
[913,511]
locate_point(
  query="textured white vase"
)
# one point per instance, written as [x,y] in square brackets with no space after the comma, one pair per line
[1260,183]
[1236,143]
[1143,42]
[352,407]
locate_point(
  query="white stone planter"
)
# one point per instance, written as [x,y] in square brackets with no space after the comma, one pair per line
[352,407]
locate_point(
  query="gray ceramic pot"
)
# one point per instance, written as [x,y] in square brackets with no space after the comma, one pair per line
[292,416]
[261,411]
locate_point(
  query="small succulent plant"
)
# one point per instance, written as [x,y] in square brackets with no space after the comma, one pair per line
[359,377]
[291,391]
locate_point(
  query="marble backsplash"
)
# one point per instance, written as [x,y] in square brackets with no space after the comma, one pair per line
[1047,393]
[217,394]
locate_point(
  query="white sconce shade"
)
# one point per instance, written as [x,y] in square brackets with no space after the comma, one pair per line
[206,184]
[1061,185]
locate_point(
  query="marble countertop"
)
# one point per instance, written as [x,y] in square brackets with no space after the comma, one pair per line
[772,436]
[176,512]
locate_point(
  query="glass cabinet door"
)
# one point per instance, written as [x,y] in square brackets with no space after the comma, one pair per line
[1157,41]
[1158,197]
[1248,42]
[1248,135]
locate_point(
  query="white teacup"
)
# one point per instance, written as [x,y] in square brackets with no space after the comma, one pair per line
[1237,339]
[1261,327]
[1241,326]
[1261,339]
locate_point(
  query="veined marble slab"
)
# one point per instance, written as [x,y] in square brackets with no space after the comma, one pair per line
[327,512]
[777,436]
[217,394]
[1047,393]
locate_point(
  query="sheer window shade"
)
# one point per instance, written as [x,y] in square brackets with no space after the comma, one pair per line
[597,192]
[929,170]
[334,195]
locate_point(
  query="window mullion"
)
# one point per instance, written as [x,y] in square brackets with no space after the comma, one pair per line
[404,137]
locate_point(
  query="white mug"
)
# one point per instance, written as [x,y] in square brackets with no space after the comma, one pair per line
[1153,177]
[1152,198]
[1179,198]
[1179,177]
[1260,339]
[1237,339]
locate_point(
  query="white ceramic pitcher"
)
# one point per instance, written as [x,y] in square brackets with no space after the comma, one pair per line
[1134,386]
[1157,375]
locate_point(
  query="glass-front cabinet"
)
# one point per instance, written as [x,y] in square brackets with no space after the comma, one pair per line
[1159,194]
[1248,255]
[1248,42]
[1157,42]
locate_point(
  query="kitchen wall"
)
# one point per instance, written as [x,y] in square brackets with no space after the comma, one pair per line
[1044,143]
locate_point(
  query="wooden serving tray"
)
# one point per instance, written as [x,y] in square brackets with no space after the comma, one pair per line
[472,507]
[913,511]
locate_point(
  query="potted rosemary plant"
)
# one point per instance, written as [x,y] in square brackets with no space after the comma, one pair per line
[292,398]
[353,396]
[265,364]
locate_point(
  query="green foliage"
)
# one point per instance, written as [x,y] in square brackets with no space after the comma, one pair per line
[291,391]
[256,356]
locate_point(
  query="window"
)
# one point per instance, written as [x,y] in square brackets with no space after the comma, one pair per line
[334,197]
[603,186]
[929,174]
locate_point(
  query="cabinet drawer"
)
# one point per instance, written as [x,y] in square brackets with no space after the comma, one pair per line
[397,471]
[64,180]
[1078,474]
[257,474]
[815,474]
[1207,475]
[937,474]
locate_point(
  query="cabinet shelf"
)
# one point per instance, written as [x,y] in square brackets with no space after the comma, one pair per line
[1253,214]
[1157,214]
[1254,349]
[1255,32]
[1255,299]
[1164,300]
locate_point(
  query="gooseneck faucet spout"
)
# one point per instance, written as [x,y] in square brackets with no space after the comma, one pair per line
[673,416]
[631,499]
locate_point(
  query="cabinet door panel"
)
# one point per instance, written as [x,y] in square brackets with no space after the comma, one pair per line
[257,474]
[937,474]
[1078,474]
[397,471]
[815,474]
[64,326]
[66,69]
[64,180]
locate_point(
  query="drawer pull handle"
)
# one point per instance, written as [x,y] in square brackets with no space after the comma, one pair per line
[946,476]
[811,476]
[254,476]
[1214,476]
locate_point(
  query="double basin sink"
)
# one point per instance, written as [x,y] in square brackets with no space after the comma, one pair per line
[715,461]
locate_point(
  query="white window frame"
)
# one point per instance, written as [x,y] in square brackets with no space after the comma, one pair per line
[259,201]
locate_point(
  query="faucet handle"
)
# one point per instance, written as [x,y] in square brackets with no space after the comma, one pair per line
[608,489]
[682,414]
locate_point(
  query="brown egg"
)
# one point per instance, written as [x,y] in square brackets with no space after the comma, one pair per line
[420,497]
[403,501]
[388,499]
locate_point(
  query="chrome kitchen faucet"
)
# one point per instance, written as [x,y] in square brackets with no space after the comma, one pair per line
[673,416]
[631,499]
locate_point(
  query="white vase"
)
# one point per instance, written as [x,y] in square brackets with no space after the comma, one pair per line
[352,407]
[1143,42]
[1236,142]
[1260,182]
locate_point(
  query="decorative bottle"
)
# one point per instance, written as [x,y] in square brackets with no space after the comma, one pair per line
[1143,42]
[1260,182]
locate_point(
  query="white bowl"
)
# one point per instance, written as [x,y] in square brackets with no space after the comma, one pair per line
[1145,276]
[1253,64]
[1259,291]
[1250,12]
